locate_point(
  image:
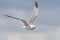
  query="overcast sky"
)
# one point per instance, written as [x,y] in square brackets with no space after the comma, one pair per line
[47,22]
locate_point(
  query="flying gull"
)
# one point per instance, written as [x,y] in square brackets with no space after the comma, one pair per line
[29,25]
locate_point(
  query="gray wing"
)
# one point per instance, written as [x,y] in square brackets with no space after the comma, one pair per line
[25,23]
[34,14]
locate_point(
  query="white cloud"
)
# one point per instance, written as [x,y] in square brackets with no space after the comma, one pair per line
[2,22]
[22,36]
[49,35]
[57,34]
[14,36]
[53,35]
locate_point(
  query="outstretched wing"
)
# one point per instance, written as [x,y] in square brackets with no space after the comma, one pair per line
[34,14]
[25,23]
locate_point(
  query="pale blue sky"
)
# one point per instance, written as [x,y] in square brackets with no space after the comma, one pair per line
[47,21]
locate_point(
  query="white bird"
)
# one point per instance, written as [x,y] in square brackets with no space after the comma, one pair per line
[29,25]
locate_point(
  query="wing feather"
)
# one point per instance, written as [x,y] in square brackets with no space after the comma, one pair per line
[34,14]
[24,21]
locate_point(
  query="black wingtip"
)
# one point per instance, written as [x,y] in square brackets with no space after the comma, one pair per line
[12,17]
[36,4]
[6,15]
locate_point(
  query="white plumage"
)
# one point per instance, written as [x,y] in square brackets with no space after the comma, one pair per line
[29,25]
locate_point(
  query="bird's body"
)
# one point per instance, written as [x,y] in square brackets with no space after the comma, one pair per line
[29,25]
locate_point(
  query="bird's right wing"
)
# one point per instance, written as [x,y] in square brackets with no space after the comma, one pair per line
[24,21]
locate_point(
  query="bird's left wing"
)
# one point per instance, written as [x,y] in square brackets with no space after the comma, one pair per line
[34,14]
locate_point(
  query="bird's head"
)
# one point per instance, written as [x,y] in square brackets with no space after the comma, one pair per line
[33,26]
